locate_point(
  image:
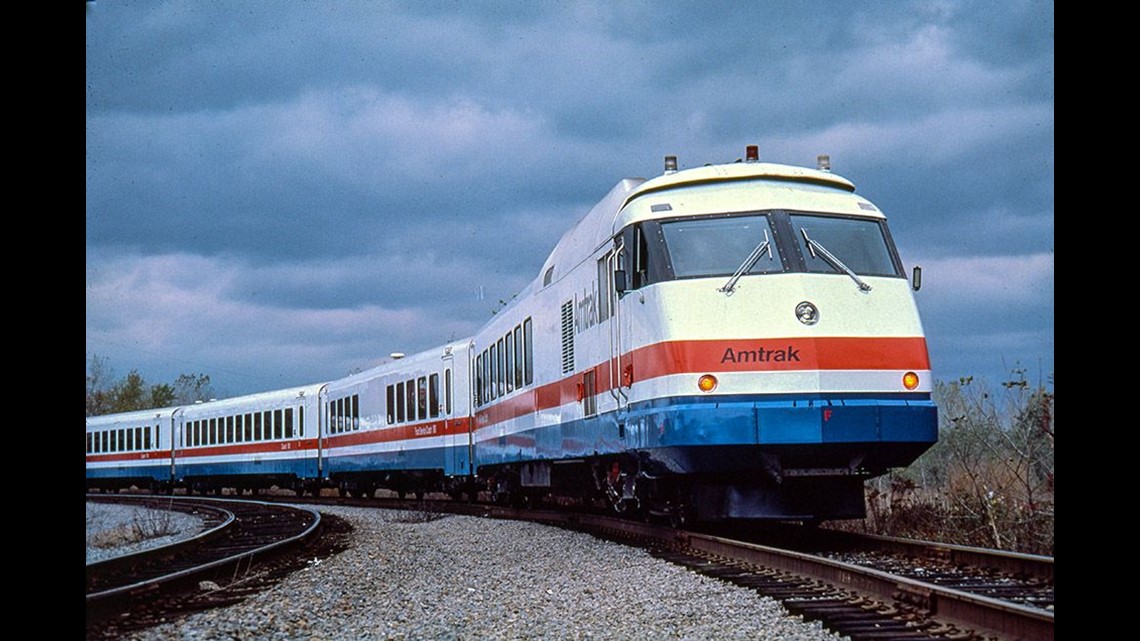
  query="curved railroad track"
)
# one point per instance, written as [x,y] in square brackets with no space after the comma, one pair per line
[235,533]
[863,586]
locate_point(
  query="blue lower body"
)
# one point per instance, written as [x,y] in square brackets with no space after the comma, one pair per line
[796,457]
[821,432]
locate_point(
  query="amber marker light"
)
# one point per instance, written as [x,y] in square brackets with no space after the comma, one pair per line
[706,383]
[910,380]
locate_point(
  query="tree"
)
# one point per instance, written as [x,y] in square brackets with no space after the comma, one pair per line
[192,388]
[99,375]
[131,393]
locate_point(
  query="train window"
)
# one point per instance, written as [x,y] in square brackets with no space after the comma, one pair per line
[478,387]
[499,372]
[548,276]
[528,350]
[288,422]
[130,440]
[605,286]
[518,373]
[433,395]
[90,443]
[494,355]
[300,420]
[138,438]
[485,384]
[356,411]
[509,370]
[447,391]
[859,244]
[278,425]
[422,397]
[105,441]
[410,394]
[229,428]
[400,402]
[257,426]
[701,247]
[248,428]
[390,403]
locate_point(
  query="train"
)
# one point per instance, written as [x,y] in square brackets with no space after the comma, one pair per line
[723,342]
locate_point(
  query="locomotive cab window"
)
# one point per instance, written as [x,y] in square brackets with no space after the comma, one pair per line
[859,244]
[643,258]
[719,246]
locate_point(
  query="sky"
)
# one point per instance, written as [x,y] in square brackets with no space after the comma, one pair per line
[285,193]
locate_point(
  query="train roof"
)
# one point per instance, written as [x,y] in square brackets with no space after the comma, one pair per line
[130,418]
[253,400]
[402,363]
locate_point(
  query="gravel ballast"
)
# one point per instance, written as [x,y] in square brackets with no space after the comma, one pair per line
[423,576]
[113,530]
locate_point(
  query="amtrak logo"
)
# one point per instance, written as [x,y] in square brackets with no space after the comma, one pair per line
[807,314]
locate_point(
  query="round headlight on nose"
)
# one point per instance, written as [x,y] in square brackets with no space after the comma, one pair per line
[706,383]
[910,380]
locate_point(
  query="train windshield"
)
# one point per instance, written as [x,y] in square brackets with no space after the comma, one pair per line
[734,245]
[857,244]
[716,246]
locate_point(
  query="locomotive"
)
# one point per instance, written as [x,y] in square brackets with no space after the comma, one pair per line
[732,341]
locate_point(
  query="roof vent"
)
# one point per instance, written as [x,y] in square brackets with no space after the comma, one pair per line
[823,162]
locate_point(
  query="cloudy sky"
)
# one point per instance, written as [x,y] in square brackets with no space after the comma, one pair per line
[286,192]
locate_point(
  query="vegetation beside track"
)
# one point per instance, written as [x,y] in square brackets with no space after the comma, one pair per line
[989,480]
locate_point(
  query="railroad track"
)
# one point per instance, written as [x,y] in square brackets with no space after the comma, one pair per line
[236,535]
[865,587]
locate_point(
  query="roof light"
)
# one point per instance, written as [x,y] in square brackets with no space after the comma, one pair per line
[670,164]
[910,380]
[823,162]
[752,153]
[706,383]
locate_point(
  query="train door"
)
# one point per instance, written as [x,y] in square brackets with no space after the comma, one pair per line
[455,405]
[322,426]
[611,280]
[175,443]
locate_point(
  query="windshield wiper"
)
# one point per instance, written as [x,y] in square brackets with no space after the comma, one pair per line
[764,246]
[814,246]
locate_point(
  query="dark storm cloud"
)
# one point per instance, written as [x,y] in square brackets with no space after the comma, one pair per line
[340,180]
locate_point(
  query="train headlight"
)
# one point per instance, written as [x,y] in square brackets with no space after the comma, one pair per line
[910,380]
[706,383]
